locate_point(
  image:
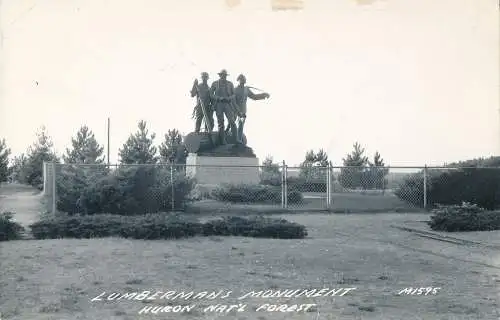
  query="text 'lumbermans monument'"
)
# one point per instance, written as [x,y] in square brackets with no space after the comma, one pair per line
[225,149]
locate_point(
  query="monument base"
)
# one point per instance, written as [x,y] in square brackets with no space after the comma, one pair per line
[220,170]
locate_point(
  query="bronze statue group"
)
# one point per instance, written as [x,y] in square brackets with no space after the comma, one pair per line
[226,101]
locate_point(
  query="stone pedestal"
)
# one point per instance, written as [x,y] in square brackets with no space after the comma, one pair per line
[213,170]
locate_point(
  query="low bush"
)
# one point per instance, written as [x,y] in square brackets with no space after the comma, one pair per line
[464,217]
[163,226]
[127,190]
[9,230]
[299,184]
[271,179]
[258,227]
[244,193]
[411,189]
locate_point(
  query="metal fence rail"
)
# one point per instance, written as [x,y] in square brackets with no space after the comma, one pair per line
[90,188]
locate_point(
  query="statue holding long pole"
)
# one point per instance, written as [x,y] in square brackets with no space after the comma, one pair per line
[224,100]
[203,111]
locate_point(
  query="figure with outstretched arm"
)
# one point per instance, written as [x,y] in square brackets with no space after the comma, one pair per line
[242,93]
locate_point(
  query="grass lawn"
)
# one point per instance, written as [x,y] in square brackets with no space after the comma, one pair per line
[57,279]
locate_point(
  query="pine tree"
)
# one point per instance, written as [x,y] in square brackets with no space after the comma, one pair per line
[172,149]
[377,173]
[42,150]
[4,160]
[270,173]
[269,167]
[17,167]
[84,148]
[139,147]
[312,168]
[356,162]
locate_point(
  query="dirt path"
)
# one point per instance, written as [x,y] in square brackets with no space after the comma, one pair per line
[25,201]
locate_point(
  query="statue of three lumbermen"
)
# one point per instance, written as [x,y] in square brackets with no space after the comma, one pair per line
[225,100]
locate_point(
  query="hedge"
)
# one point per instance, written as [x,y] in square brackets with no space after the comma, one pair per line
[163,226]
[452,187]
[464,217]
[127,190]
[243,193]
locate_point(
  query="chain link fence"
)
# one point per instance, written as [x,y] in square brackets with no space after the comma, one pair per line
[138,189]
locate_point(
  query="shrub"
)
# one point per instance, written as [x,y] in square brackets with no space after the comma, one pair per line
[306,185]
[294,196]
[453,186]
[299,184]
[258,227]
[150,226]
[464,217]
[73,182]
[9,230]
[475,185]
[411,189]
[244,193]
[128,190]
[163,226]
[271,178]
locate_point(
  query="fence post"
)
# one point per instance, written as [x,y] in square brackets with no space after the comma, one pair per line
[283,181]
[54,188]
[383,178]
[425,187]
[329,186]
[286,186]
[44,169]
[173,186]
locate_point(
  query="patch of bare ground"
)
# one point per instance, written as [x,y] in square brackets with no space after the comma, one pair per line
[25,201]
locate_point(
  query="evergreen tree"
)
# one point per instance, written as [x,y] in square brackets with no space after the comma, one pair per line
[377,160]
[172,149]
[270,173]
[313,166]
[356,162]
[4,160]
[374,177]
[42,150]
[139,147]
[15,170]
[84,148]
[269,167]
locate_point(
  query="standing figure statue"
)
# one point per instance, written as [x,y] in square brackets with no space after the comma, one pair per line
[203,109]
[242,93]
[222,94]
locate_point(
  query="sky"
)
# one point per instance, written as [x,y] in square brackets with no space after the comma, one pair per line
[416,80]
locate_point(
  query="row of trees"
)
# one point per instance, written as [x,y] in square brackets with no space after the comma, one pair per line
[138,148]
[358,171]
